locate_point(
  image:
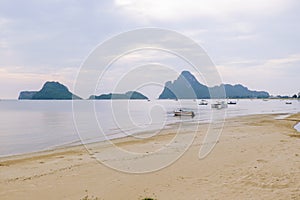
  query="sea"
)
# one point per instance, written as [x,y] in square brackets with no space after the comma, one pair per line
[31,126]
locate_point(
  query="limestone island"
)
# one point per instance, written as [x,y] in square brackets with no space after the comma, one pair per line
[50,91]
[186,86]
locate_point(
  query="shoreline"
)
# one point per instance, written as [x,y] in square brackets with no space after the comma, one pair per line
[171,126]
[45,132]
[280,116]
[256,157]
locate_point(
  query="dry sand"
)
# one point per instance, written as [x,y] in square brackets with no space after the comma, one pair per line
[257,157]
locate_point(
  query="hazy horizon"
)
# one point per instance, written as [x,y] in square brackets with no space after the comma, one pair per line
[253,43]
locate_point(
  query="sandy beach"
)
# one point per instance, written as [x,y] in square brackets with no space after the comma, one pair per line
[256,157]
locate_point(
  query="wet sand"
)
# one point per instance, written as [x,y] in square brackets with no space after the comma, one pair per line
[256,157]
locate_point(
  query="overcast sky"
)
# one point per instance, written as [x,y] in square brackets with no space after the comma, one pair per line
[255,43]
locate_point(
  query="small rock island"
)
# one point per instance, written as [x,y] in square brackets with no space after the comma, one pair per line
[51,90]
[127,95]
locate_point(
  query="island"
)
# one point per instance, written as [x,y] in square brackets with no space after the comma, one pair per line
[51,90]
[239,91]
[186,86]
[127,95]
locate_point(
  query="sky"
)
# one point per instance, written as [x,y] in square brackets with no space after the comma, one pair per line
[254,43]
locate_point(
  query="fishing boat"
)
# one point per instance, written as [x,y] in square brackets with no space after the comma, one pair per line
[181,112]
[219,105]
[232,102]
[203,103]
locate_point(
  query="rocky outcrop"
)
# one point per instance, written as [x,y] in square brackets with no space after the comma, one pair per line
[186,86]
[50,91]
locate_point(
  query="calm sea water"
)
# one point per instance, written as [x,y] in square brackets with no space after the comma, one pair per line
[29,126]
[297,127]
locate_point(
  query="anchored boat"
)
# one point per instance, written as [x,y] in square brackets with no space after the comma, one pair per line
[203,103]
[219,105]
[181,112]
[232,102]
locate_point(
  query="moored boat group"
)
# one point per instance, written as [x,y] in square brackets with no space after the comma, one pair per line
[215,105]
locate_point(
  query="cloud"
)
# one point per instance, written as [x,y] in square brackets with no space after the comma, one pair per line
[52,33]
[44,38]
[276,75]
[4,22]
[190,9]
[14,79]
[279,62]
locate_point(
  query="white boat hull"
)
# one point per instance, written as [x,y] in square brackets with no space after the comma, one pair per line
[219,105]
[184,113]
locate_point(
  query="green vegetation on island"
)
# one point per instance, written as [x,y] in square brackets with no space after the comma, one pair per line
[186,86]
[127,95]
[50,91]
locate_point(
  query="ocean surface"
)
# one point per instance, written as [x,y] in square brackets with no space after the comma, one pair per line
[30,126]
[297,127]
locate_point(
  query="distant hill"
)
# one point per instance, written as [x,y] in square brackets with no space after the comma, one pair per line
[127,95]
[240,91]
[186,86]
[50,90]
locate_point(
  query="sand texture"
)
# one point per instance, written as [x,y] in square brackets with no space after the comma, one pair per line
[256,157]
